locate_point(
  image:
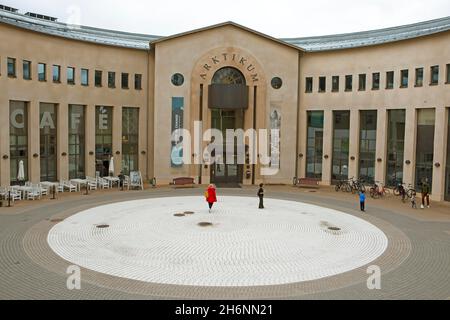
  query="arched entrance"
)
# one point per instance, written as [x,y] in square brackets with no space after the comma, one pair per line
[227,99]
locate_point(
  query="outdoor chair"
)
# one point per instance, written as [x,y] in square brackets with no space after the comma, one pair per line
[44,190]
[102,183]
[69,186]
[126,182]
[15,194]
[91,183]
[34,194]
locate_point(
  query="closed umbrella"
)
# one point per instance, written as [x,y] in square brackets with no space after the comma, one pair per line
[111,166]
[21,172]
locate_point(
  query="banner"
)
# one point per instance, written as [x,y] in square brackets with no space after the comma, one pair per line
[275,129]
[176,152]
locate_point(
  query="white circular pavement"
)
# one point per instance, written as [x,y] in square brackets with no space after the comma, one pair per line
[287,242]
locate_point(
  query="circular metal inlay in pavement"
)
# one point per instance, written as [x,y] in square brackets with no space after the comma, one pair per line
[247,246]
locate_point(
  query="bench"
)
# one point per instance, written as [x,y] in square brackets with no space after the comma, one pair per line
[308,183]
[183,182]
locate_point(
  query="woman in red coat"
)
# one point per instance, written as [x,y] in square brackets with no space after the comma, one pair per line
[211,196]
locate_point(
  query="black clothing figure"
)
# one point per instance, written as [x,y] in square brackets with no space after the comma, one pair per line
[261,196]
[121,180]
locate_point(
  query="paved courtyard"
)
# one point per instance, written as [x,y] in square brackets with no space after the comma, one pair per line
[162,243]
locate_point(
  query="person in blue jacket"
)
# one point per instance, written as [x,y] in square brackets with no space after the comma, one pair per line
[362,200]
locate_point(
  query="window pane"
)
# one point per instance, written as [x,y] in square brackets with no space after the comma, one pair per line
[390,80]
[18,131]
[335,83]
[341,126]
[314,144]
[130,139]
[42,74]
[322,84]
[11,67]
[98,78]
[138,81]
[309,84]
[348,83]
[111,79]
[84,77]
[362,82]
[27,70]
[404,78]
[56,70]
[103,132]
[124,80]
[435,75]
[70,75]
[367,144]
[376,81]
[424,146]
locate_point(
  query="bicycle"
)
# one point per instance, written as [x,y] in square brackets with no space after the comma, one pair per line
[343,185]
[378,190]
[408,192]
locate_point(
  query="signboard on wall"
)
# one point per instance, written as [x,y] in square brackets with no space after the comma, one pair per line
[275,129]
[176,152]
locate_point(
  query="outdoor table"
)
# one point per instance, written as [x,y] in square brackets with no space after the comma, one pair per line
[50,185]
[112,180]
[23,190]
[79,183]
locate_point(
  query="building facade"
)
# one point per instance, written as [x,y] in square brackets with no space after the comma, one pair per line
[371,104]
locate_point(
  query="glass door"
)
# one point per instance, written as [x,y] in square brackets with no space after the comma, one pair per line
[226,169]
[48,141]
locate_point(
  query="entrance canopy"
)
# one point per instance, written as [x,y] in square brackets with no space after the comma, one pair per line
[228,96]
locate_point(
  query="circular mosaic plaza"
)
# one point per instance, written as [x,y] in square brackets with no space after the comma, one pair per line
[177,241]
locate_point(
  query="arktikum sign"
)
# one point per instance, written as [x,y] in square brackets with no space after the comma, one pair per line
[225,59]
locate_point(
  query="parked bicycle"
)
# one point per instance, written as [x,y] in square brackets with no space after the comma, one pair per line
[357,185]
[409,192]
[378,190]
[343,185]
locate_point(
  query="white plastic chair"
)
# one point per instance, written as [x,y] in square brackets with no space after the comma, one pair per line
[34,193]
[126,182]
[102,183]
[43,189]
[91,183]
[69,186]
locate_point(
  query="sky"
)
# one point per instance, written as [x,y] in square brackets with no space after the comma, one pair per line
[277,18]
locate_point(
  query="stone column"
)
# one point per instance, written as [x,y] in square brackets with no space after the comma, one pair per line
[303,131]
[4,143]
[440,152]
[327,147]
[63,141]
[381,146]
[90,140]
[354,144]
[117,139]
[410,145]
[34,163]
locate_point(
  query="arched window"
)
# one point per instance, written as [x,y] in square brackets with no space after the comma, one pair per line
[228,75]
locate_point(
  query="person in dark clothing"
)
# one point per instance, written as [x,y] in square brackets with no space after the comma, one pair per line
[261,196]
[121,179]
[425,193]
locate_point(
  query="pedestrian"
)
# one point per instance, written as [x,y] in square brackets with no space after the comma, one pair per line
[425,193]
[413,201]
[121,180]
[210,195]
[362,200]
[261,196]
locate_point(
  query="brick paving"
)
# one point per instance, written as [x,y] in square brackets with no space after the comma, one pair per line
[414,266]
